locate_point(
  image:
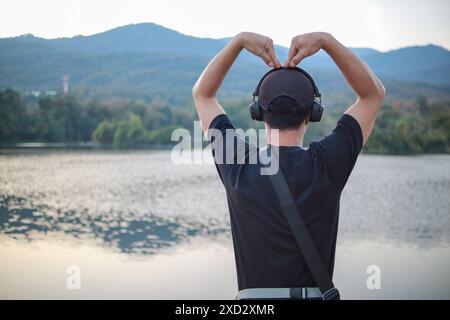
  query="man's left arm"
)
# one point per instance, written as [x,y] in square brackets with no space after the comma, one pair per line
[205,90]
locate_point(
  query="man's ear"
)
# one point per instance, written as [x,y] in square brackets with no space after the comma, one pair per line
[307,118]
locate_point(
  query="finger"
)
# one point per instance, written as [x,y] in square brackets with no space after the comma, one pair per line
[288,59]
[297,58]
[273,56]
[279,63]
[266,57]
[292,52]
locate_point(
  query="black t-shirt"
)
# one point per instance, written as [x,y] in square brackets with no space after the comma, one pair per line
[266,253]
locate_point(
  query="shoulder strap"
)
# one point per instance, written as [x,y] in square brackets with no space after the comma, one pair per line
[302,235]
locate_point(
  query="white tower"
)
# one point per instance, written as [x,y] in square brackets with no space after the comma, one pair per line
[66,84]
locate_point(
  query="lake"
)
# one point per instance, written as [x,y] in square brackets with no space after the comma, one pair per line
[135,225]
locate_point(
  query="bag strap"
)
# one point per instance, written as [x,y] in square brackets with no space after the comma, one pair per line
[302,235]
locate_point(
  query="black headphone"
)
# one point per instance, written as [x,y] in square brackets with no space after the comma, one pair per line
[256,111]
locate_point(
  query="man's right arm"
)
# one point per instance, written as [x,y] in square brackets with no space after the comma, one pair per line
[368,88]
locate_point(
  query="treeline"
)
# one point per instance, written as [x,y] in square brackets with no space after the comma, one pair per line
[131,133]
[402,128]
[121,123]
[422,129]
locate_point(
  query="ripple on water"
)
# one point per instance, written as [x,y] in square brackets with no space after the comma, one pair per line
[138,202]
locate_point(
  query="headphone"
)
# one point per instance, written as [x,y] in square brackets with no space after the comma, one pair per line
[256,111]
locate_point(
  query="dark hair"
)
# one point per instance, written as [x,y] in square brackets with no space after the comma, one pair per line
[284,113]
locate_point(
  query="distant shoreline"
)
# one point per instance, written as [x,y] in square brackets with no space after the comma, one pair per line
[99,147]
[76,145]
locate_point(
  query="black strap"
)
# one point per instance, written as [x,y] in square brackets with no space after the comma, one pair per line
[302,235]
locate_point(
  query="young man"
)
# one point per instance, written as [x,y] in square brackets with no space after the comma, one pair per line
[267,255]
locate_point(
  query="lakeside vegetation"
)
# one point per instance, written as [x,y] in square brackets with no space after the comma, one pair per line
[402,128]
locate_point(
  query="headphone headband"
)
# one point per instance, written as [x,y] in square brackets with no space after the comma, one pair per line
[306,74]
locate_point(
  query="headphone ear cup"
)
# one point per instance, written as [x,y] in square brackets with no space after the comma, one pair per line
[251,108]
[255,111]
[316,112]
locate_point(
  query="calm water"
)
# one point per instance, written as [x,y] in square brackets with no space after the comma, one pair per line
[139,226]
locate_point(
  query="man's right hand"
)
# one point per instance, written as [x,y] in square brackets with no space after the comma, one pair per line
[260,46]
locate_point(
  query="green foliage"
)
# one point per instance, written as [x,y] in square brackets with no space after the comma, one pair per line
[122,122]
[104,133]
[426,129]
[131,133]
[162,135]
[12,115]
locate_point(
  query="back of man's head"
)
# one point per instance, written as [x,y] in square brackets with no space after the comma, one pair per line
[286,96]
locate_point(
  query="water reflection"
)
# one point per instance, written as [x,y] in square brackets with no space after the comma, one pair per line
[140,201]
[129,234]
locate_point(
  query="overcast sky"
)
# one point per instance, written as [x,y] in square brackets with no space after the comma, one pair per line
[380,24]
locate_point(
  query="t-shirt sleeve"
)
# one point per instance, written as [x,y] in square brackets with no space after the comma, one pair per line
[228,148]
[341,148]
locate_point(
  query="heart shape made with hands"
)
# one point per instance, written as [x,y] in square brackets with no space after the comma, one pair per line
[302,46]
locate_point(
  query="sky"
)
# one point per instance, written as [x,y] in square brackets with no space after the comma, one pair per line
[379,24]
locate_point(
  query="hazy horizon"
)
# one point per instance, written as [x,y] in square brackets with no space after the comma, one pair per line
[379,24]
[221,38]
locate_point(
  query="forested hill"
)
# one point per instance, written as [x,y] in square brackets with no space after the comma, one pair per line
[131,86]
[147,59]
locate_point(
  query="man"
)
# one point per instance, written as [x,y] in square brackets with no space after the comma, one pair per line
[267,255]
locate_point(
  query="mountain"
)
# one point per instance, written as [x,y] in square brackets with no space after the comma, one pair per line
[138,38]
[430,64]
[148,59]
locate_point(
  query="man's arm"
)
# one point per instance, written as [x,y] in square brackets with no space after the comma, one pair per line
[205,90]
[368,88]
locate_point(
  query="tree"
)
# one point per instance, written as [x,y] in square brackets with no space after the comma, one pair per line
[104,133]
[162,135]
[12,115]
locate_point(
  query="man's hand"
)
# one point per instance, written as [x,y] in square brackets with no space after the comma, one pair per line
[260,46]
[303,46]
